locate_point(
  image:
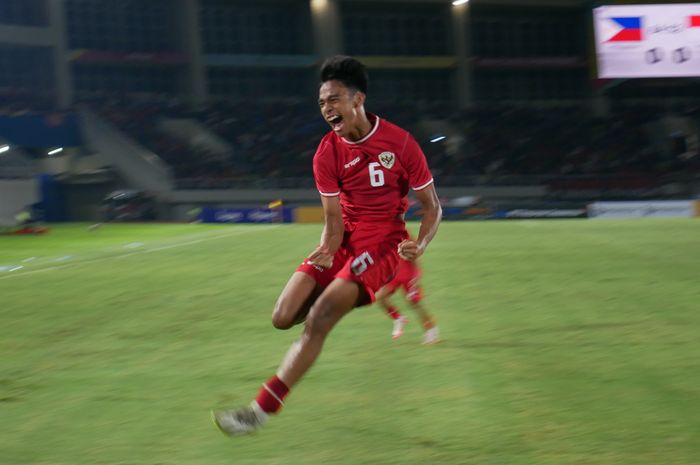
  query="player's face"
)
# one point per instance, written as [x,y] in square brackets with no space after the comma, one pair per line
[341,107]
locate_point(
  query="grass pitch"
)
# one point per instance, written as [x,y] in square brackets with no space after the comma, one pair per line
[565,342]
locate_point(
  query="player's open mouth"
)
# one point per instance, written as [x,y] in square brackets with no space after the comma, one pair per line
[336,123]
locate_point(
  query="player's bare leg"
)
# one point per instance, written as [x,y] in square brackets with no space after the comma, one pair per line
[400,320]
[432,332]
[295,300]
[338,299]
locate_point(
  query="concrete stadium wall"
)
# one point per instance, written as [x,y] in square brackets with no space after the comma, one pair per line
[179,203]
[16,194]
[311,196]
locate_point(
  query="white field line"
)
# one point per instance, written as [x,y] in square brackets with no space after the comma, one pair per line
[237,232]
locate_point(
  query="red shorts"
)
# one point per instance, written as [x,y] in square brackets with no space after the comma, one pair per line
[373,257]
[408,277]
[324,276]
[368,256]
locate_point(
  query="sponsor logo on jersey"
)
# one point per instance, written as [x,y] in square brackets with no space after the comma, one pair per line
[309,262]
[352,163]
[387,159]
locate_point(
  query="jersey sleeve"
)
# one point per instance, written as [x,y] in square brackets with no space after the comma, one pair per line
[419,176]
[325,173]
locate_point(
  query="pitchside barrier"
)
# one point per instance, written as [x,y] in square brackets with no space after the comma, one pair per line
[645,209]
[247,215]
[315,214]
[636,209]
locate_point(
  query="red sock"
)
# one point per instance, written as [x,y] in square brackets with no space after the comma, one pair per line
[393,313]
[271,395]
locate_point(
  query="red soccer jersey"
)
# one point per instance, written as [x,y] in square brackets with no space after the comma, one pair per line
[372,176]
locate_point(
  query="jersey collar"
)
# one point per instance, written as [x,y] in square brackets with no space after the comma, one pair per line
[371,133]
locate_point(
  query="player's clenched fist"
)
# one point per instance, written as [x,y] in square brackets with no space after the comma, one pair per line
[321,257]
[410,250]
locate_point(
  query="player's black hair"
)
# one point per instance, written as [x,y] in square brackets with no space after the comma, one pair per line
[347,70]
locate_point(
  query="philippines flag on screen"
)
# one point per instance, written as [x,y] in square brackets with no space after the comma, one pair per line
[626,29]
[694,21]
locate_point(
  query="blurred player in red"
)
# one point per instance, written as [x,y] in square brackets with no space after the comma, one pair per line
[364,168]
[408,277]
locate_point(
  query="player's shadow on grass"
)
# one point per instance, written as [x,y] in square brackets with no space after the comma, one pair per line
[494,344]
[580,327]
[529,337]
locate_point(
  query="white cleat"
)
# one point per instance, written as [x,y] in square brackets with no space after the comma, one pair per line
[431,336]
[399,324]
[240,421]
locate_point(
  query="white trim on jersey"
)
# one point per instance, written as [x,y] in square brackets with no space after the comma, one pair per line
[423,186]
[329,194]
[371,133]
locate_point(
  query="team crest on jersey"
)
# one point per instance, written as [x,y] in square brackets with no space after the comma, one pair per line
[387,159]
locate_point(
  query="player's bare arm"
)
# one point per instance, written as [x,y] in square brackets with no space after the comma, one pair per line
[432,214]
[332,235]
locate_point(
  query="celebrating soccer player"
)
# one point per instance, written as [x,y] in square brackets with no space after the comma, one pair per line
[363,169]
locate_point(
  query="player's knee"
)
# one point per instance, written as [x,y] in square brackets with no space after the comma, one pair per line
[414,300]
[414,297]
[282,321]
[282,316]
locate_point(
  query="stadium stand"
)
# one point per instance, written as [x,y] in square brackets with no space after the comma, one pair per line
[507,100]
[277,140]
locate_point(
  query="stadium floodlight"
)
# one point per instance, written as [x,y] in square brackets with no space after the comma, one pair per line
[319,5]
[55,151]
[4,148]
[437,139]
[460,2]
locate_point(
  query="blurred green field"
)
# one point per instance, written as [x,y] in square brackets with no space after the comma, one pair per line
[566,342]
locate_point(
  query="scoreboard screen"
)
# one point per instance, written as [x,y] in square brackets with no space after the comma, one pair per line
[647,41]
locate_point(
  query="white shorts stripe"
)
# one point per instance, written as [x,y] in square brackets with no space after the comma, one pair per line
[272,394]
[329,194]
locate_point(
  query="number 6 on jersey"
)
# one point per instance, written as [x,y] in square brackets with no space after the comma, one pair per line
[376,176]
